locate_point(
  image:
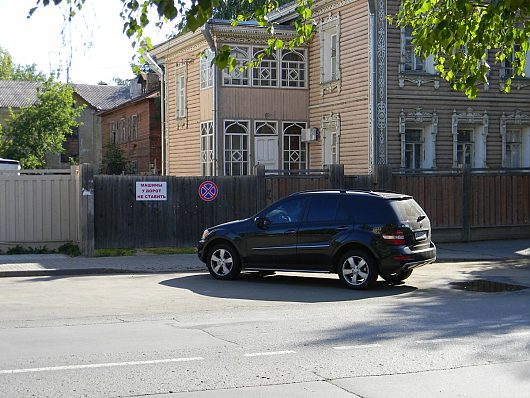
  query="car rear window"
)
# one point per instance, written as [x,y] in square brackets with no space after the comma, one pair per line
[371,210]
[407,210]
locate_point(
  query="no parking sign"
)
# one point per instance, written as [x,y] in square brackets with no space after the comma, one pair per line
[208,191]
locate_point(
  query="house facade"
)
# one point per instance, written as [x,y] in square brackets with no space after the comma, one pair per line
[357,94]
[135,126]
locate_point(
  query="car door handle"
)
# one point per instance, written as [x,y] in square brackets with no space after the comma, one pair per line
[289,232]
[342,228]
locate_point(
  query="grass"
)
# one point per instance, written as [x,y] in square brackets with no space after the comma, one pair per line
[70,249]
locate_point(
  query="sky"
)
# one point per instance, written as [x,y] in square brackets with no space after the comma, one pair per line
[101,51]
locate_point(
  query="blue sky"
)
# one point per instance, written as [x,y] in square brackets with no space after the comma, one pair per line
[100,50]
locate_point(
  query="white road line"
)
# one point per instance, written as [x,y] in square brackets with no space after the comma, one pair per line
[513,334]
[259,354]
[99,365]
[356,347]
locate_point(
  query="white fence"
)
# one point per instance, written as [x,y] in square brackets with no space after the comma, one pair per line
[39,207]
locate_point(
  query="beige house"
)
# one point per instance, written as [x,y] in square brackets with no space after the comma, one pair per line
[356,94]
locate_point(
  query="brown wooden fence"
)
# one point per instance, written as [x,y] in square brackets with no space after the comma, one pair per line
[462,206]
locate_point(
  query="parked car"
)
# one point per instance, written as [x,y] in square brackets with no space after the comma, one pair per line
[356,234]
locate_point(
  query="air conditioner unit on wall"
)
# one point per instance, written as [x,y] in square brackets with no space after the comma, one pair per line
[309,135]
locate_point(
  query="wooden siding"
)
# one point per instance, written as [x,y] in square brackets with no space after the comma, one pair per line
[36,210]
[184,134]
[444,101]
[352,101]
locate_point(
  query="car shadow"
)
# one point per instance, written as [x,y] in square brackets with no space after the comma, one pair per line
[282,287]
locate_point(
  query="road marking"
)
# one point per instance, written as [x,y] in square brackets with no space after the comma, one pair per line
[99,365]
[259,354]
[513,334]
[356,347]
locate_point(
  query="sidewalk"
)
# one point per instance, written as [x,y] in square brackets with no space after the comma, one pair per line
[57,264]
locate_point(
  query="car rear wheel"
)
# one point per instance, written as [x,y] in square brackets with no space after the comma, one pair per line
[223,262]
[357,270]
[397,278]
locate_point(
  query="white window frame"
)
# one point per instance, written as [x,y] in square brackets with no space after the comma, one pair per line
[207,149]
[229,150]
[478,123]
[410,61]
[288,153]
[237,77]
[206,69]
[330,70]
[521,122]
[330,136]
[265,74]
[180,93]
[258,124]
[427,122]
[293,73]
[506,70]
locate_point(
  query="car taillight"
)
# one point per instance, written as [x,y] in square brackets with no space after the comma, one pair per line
[395,238]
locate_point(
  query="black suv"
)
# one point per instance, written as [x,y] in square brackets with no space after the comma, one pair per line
[356,234]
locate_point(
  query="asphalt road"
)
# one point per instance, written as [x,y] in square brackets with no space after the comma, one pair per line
[187,335]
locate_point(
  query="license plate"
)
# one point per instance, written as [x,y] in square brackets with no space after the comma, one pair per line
[422,235]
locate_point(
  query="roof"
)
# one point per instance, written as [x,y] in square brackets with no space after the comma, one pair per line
[103,97]
[17,93]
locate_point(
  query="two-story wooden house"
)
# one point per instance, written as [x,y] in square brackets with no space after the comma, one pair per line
[357,94]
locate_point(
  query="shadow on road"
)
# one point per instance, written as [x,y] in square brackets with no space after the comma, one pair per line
[282,287]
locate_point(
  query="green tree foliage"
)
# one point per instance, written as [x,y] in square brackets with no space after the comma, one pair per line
[36,130]
[230,9]
[11,71]
[189,17]
[464,35]
[113,161]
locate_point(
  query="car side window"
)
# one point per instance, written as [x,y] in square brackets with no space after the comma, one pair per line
[322,208]
[289,211]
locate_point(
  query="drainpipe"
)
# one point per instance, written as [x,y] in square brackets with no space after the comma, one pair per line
[160,72]
[211,44]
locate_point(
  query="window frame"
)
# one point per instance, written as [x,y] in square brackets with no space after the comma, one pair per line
[207,148]
[206,69]
[329,28]
[229,149]
[286,149]
[180,93]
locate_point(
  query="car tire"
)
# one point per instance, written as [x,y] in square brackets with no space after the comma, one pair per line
[397,278]
[357,270]
[223,262]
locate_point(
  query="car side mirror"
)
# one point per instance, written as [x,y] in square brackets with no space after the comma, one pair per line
[262,222]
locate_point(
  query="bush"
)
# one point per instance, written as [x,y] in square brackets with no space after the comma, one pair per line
[69,249]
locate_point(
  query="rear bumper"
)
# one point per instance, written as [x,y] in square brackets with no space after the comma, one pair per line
[404,259]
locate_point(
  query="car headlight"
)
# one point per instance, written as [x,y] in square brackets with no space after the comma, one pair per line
[205,234]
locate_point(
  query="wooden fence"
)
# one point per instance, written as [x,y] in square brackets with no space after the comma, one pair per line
[462,206]
[39,207]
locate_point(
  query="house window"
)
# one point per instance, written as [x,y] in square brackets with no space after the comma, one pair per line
[236,147]
[294,150]
[207,149]
[113,132]
[266,128]
[293,69]
[513,148]
[181,95]
[129,128]
[410,61]
[121,138]
[464,147]
[329,50]
[134,127]
[413,148]
[238,76]
[330,139]
[511,63]
[206,69]
[266,73]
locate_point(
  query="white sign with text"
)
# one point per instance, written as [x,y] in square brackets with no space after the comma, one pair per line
[147,190]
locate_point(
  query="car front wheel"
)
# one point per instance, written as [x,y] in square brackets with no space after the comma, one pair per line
[357,270]
[223,262]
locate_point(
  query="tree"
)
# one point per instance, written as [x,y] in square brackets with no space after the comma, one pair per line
[230,9]
[460,34]
[11,71]
[187,17]
[36,130]
[113,161]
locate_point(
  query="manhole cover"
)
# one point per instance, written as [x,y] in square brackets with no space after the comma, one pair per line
[481,285]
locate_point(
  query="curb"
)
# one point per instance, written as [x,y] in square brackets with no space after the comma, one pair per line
[85,271]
